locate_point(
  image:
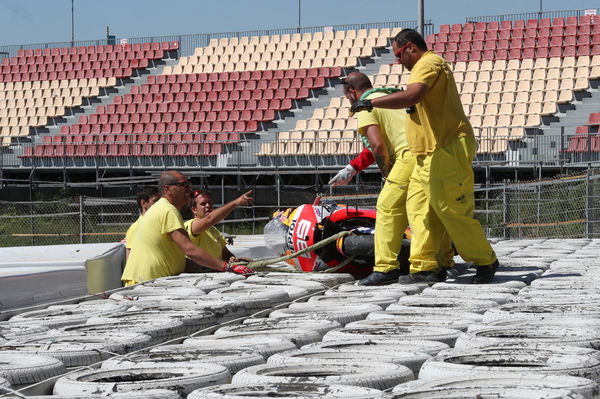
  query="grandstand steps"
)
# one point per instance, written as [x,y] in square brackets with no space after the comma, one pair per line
[106,97]
[576,112]
[321,98]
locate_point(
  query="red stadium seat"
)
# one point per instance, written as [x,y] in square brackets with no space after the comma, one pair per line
[569,51]
[555,52]
[504,35]
[528,53]
[584,40]
[529,43]
[584,51]
[466,37]
[488,55]
[518,24]
[570,41]
[441,38]
[475,56]
[542,52]
[492,26]
[570,30]
[501,54]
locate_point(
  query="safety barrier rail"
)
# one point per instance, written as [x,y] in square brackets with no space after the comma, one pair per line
[323,149]
[530,15]
[189,42]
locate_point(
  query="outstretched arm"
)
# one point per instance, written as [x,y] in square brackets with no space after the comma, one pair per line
[413,94]
[200,225]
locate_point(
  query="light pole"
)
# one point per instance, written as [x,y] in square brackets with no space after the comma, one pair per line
[421,18]
[72,23]
[540,14]
[299,15]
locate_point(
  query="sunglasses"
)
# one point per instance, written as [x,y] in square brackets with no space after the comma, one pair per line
[398,52]
[185,184]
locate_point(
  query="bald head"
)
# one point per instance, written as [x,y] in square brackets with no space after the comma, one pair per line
[358,81]
[169,177]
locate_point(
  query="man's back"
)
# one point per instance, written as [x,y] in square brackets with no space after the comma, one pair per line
[391,124]
[154,254]
[439,118]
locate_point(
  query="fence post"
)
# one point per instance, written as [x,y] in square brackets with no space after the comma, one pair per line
[505,212]
[278,184]
[487,199]
[81,219]
[539,200]
[223,199]
[589,205]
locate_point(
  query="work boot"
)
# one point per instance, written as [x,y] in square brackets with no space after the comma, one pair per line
[427,277]
[379,278]
[485,274]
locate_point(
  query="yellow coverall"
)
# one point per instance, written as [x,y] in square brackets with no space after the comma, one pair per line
[440,200]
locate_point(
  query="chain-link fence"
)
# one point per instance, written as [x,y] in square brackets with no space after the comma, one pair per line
[67,221]
[94,220]
[561,207]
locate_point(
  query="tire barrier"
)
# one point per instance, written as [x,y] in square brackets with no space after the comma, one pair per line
[365,374]
[444,335]
[20,370]
[289,391]
[381,346]
[168,356]
[517,360]
[412,360]
[581,386]
[181,379]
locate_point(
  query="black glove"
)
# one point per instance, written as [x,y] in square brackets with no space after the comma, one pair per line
[361,105]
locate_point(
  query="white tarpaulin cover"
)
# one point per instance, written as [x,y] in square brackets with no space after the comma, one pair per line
[32,275]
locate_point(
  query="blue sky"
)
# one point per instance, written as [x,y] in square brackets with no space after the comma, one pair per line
[39,21]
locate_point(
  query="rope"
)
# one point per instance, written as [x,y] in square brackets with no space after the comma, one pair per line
[261,265]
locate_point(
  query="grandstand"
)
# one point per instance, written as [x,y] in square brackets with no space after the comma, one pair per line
[271,103]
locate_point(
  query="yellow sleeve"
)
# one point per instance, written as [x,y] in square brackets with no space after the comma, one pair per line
[172,221]
[365,119]
[425,72]
[130,235]
[188,227]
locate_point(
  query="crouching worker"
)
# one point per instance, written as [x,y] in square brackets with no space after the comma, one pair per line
[161,243]
[203,233]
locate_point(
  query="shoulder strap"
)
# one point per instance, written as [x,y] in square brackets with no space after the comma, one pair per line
[385,90]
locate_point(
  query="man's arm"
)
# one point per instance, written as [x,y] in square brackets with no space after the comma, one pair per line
[379,149]
[363,160]
[413,94]
[200,225]
[195,253]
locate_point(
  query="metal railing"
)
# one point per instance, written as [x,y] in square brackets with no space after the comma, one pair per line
[85,219]
[166,151]
[528,15]
[562,207]
[189,42]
